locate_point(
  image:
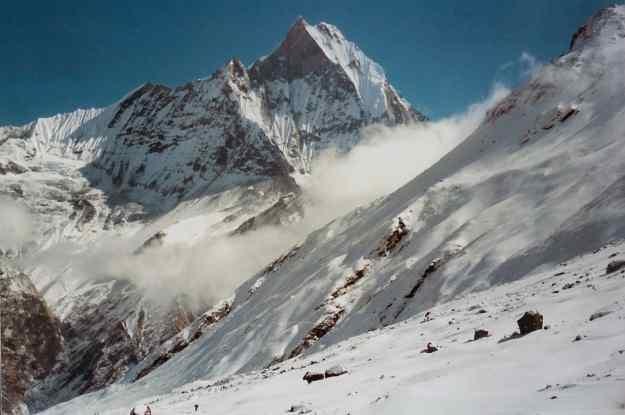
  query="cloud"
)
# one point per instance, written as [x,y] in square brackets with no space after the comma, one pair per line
[386,159]
[205,272]
[529,64]
[212,268]
[520,69]
[16,228]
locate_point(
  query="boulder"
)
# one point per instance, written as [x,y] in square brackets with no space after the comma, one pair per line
[335,371]
[299,409]
[599,314]
[313,377]
[480,334]
[531,321]
[614,266]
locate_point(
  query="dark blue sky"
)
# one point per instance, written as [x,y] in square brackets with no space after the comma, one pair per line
[56,56]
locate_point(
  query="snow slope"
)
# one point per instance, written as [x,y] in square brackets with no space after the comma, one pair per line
[182,166]
[546,371]
[539,182]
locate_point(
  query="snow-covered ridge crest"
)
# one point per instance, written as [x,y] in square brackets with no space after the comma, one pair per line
[49,133]
[324,40]
[316,91]
[191,164]
[368,77]
[605,26]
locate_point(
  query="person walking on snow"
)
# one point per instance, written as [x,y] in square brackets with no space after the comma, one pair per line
[430,348]
[148,411]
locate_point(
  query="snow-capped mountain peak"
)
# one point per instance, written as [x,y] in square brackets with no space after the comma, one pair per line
[539,182]
[367,76]
[309,48]
[200,161]
[607,25]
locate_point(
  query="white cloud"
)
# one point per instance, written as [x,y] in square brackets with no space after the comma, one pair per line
[387,158]
[211,269]
[529,64]
[522,68]
[16,227]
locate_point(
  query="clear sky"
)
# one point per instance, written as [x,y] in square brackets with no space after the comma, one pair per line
[441,55]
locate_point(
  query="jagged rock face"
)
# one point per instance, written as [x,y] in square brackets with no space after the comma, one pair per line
[320,90]
[603,21]
[223,147]
[31,337]
[161,145]
[194,330]
[104,339]
[192,140]
[513,196]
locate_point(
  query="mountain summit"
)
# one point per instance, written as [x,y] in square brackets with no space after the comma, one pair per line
[160,145]
[315,51]
[526,212]
[218,152]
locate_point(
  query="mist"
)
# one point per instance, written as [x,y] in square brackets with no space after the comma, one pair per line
[386,159]
[211,269]
[16,227]
[205,272]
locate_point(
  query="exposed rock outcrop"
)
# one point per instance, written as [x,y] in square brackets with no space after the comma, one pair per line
[31,337]
[529,322]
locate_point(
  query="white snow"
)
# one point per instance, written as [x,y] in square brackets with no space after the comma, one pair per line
[387,374]
[367,76]
[526,191]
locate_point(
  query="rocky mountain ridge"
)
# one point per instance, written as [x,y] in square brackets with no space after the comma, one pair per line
[538,183]
[218,151]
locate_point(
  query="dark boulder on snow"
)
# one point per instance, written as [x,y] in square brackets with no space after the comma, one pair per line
[531,321]
[480,334]
[335,371]
[313,377]
[599,314]
[299,409]
[614,266]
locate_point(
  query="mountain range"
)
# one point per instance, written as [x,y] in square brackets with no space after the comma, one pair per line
[540,182]
[223,147]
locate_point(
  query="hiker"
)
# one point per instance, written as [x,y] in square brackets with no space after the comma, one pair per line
[428,316]
[148,411]
[401,224]
[133,412]
[196,406]
[430,348]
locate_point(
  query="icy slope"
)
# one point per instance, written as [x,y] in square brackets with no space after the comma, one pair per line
[546,371]
[180,166]
[110,325]
[522,191]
